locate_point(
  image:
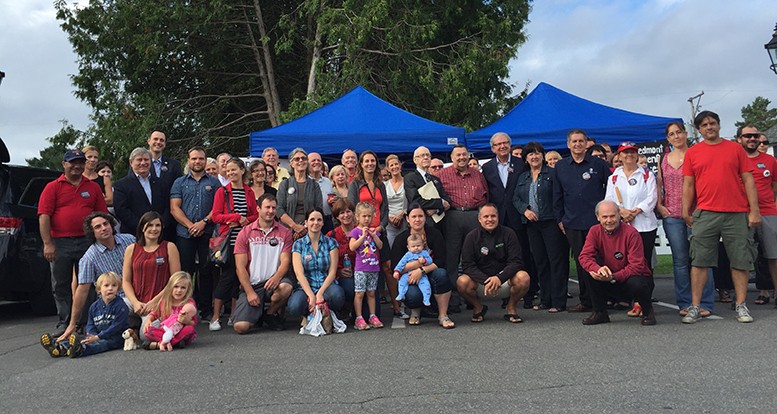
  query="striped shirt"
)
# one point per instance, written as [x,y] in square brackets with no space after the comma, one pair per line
[239,203]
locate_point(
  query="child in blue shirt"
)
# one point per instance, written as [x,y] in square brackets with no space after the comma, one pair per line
[415,251]
[107,321]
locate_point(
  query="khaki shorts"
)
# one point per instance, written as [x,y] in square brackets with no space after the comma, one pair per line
[709,227]
[502,293]
[767,236]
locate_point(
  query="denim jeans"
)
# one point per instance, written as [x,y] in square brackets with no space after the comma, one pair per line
[414,299]
[298,301]
[677,232]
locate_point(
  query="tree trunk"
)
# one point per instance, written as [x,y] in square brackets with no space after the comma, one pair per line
[265,65]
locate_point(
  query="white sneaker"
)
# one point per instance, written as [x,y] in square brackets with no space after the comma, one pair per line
[743,314]
[229,321]
[214,325]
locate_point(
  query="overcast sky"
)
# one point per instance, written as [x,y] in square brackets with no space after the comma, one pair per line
[642,56]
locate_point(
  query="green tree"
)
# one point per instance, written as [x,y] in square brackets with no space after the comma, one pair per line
[758,114]
[211,72]
[51,157]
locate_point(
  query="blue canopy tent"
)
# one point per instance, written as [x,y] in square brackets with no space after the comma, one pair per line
[548,113]
[361,121]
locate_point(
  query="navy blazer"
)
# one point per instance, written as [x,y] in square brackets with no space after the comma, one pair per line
[502,196]
[130,202]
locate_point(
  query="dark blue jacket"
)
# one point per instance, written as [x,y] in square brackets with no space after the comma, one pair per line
[108,321]
[577,187]
[544,194]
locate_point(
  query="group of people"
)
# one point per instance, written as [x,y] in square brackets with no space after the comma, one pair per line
[312,238]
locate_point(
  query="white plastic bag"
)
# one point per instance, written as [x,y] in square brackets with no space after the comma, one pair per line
[313,327]
[338,326]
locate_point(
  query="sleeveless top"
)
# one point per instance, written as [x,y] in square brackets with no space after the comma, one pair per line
[673,188]
[150,271]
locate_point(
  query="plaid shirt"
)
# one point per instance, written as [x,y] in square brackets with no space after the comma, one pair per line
[467,190]
[99,259]
[316,265]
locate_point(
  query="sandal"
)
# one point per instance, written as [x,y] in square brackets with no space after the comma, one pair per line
[635,311]
[479,316]
[762,300]
[724,296]
[414,320]
[447,323]
[556,310]
[540,307]
[512,318]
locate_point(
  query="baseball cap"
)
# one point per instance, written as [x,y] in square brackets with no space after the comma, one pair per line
[628,145]
[75,154]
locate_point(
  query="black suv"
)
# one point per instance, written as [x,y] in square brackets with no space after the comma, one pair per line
[24,272]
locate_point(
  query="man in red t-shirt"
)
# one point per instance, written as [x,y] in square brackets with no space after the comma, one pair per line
[717,174]
[764,168]
[63,205]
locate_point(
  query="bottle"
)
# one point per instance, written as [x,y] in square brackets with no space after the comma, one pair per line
[347,262]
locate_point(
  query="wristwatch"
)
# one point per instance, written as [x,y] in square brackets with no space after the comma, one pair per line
[206,220]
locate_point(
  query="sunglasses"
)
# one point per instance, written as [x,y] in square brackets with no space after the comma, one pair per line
[436,167]
[751,135]
[763,142]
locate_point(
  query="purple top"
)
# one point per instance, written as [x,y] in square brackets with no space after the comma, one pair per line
[367,255]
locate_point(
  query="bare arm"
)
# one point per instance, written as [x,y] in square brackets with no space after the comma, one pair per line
[689,193]
[754,216]
[49,250]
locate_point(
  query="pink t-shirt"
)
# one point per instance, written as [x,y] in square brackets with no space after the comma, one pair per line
[764,167]
[717,169]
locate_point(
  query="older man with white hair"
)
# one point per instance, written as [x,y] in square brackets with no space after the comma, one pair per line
[138,193]
[613,257]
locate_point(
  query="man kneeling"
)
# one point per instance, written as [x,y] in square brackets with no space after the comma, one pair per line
[613,257]
[491,257]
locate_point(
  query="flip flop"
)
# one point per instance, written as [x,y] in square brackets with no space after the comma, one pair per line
[761,300]
[479,316]
[447,323]
[512,318]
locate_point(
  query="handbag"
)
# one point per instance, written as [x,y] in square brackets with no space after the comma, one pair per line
[219,243]
[219,247]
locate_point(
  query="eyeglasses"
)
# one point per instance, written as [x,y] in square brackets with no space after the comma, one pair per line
[499,144]
[435,167]
[426,155]
[751,135]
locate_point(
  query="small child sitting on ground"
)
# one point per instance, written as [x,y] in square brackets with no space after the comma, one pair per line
[104,326]
[176,306]
[415,251]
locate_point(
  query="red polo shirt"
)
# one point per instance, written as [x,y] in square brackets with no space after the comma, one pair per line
[68,205]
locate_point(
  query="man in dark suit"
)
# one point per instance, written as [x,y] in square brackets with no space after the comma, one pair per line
[165,171]
[418,178]
[138,192]
[501,174]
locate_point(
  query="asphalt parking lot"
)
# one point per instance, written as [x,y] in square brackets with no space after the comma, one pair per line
[550,363]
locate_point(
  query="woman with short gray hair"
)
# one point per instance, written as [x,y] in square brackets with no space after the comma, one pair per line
[298,194]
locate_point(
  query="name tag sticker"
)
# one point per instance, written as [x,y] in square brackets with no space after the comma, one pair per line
[160,260]
[164,168]
[208,188]
[484,251]
[85,194]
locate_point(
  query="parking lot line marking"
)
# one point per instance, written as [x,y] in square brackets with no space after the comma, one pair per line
[397,323]
[668,305]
